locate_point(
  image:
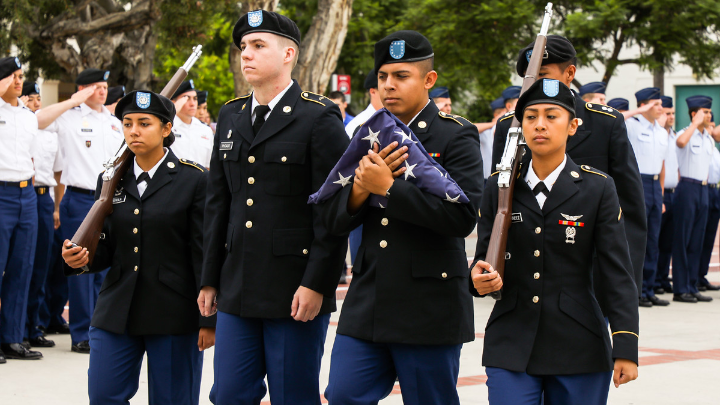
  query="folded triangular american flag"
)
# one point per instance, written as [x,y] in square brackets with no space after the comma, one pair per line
[422,170]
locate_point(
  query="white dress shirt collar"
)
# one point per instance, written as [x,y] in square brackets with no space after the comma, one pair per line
[142,186]
[416,115]
[532,180]
[272,102]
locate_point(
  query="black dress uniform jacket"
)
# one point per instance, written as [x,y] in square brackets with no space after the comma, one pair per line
[549,321]
[601,142]
[153,246]
[262,238]
[411,272]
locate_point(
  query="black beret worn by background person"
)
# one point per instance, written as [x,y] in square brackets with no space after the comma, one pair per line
[30,88]
[546,91]
[265,21]
[371,80]
[202,97]
[92,75]
[8,66]
[115,94]
[184,88]
[401,47]
[557,50]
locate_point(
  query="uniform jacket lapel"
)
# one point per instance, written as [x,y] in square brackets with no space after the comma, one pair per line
[523,194]
[583,131]
[163,175]
[427,115]
[279,117]
[129,184]
[564,187]
[243,121]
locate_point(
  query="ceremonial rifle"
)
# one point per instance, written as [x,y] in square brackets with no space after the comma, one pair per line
[90,231]
[509,164]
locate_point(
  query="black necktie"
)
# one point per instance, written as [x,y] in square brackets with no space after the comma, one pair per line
[260,112]
[144,176]
[540,188]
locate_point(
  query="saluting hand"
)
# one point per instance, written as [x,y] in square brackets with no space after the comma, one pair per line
[82,95]
[207,302]
[180,102]
[24,99]
[75,257]
[625,371]
[485,283]
[5,83]
[306,304]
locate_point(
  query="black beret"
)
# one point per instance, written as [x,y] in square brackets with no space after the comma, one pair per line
[184,88]
[402,46]
[8,66]
[30,88]
[371,80]
[92,75]
[146,102]
[115,94]
[546,91]
[557,50]
[265,21]
[202,97]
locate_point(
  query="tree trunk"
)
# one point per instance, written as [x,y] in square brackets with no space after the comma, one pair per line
[322,44]
[659,79]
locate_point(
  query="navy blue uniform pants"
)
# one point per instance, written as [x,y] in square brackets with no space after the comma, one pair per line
[18,236]
[710,233]
[36,293]
[665,241]
[174,368]
[56,286]
[653,210]
[507,387]
[355,241]
[364,372]
[83,289]
[288,352]
[690,219]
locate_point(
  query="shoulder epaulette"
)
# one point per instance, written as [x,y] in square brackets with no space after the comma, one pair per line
[316,98]
[454,117]
[494,173]
[191,163]
[507,115]
[592,170]
[599,108]
[238,98]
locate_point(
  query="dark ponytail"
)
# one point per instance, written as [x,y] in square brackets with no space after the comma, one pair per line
[170,139]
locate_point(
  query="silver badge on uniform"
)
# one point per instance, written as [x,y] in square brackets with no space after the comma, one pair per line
[119,196]
[516,217]
[570,234]
[226,145]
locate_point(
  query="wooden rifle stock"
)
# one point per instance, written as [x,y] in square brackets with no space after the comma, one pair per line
[90,231]
[510,163]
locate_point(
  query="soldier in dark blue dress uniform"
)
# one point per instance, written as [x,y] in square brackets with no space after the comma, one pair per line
[547,339]
[153,246]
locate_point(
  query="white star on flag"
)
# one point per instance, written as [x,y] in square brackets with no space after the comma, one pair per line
[405,136]
[441,173]
[344,181]
[409,171]
[452,200]
[372,137]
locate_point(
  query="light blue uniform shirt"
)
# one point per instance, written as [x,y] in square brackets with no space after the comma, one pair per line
[649,141]
[694,159]
[714,176]
[486,149]
[671,162]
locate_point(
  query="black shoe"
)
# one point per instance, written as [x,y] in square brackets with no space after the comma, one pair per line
[2,358]
[702,298]
[701,288]
[40,341]
[712,287]
[19,352]
[657,301]
[668,289]
[26,344]
[63,329]
[659,291]
[687,297]
[41,329]
[82,347]
[644,302]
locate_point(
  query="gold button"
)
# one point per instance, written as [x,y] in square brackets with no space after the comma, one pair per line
[444,275]
[574,174]
[536,276]
[224,155]
[384,221]
[422,124]
[305,251]
[249,202]
[536,299]
[134,230]
[538,230]
[136,249]
[283,159]
[251,159]
[248,224]
[135,268]
[537,253]
[383,244]
[137,211]
[251,180]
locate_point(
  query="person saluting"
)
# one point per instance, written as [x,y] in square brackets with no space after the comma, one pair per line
[153,246]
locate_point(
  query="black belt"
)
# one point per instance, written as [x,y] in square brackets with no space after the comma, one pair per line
[714,185]
[21,184]
[42,189]
[689,180]
[81,190]
[654,177]
[669,190]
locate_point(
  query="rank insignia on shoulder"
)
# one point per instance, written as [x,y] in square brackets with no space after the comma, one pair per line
[191,163]
[238,98]
[454,117]
[316,98]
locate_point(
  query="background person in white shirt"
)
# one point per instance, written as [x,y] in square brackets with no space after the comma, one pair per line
[193,139]
[18,211]
[371,85]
